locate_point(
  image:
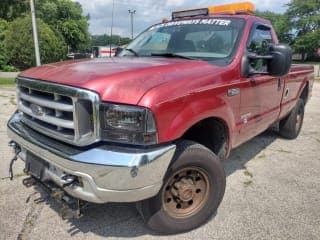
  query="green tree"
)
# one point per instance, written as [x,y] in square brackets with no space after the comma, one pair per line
[3,55]
[66,18]
[11,9]
[305,20]
[307,44]
[19,45]
[103,40]
[281,25]
[3,58]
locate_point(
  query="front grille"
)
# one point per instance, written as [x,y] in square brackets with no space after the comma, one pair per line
[65,113]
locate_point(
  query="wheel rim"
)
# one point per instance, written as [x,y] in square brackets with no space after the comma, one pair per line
[186,192]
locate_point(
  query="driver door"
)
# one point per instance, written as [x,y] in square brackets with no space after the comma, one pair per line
[261,93]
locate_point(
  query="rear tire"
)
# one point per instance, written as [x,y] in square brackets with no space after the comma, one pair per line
[290,126]
[193,188]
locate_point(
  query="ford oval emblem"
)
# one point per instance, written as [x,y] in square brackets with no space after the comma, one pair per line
[36,109]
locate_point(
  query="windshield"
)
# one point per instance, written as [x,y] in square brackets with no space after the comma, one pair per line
[207,39]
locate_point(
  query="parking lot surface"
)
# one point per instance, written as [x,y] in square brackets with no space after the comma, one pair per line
[273,192]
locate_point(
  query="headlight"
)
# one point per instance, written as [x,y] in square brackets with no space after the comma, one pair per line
[128,124]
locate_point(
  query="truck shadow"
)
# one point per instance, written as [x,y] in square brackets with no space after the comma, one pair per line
[123,220]
[248,151]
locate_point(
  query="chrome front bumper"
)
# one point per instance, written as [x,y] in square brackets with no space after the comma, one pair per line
[107,173]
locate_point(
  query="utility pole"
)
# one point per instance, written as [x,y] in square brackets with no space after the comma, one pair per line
[35,33]
[131,12]
[111,27]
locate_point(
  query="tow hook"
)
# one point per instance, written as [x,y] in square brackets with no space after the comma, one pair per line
[28,182]
[69,180]
[16,150]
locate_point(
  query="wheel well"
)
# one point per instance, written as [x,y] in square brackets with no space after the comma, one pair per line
[305,93]
[212,133]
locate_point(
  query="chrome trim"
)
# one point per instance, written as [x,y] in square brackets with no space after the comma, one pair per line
[76,120]
[45,103]
[119,159]
[233,92]
[106,176]
[57,90]
[41,129]
[48,119]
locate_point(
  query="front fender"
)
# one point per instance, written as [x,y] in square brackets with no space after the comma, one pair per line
[174,118]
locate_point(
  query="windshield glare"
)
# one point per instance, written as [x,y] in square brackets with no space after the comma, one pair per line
[206,39]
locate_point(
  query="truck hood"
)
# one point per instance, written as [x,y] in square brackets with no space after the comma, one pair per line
[122,80]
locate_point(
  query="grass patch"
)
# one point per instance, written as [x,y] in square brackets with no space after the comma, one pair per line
[262,155]
[6,81]
[247,183]
[248,174]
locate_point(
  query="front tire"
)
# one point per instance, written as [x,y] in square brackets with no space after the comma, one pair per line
[192,191]
[290,126]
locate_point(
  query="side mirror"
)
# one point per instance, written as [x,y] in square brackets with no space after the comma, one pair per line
[278,62]
[118,51]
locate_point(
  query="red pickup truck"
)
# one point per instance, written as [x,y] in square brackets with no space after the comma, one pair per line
[153,124]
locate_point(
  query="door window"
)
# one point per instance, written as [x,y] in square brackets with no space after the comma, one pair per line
[259,43]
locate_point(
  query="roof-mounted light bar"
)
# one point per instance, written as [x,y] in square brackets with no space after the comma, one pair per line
[232,8]
[190,13]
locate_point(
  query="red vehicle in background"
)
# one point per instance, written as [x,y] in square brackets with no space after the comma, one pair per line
[152,125]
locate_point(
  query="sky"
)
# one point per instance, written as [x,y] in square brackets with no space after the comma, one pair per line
[149,12]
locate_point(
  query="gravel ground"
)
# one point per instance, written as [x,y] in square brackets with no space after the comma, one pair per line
[273,192]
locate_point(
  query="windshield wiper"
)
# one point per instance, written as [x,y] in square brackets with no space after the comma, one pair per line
[173,55]
[132,51]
